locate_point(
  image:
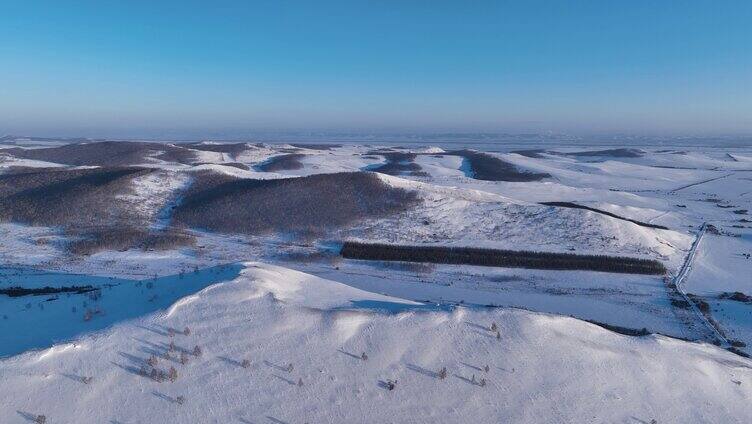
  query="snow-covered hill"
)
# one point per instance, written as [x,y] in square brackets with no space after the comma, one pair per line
[303,338]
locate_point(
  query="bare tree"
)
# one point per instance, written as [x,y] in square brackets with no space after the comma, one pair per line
[152,361]
[363,356]
[186,331]
[197,351]
[245,364]
[180,400]
[40,419]
[443,373]
[183,358]
[494,327]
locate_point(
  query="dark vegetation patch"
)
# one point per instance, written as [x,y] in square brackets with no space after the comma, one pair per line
[315,146]
[286,162]
[613,153]
[398,163]
[613,215]
[305,205]
[21,291]
[737,296]
[123,238]
[500,258]
[531,153]
[621,330]
[67,198]
[107,153]
[232,164]
[233,149]
[483,166]
[680,303]
[84,204]
[702,305]
[736,350]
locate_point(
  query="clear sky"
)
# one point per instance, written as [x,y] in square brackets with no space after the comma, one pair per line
[132,68]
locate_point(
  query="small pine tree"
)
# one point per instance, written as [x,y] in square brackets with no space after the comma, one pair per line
[40,419]
[186,331]
[172,346]
[245,364]
[87,380]
[183,358]
[172,375]
[197,351]
[498,335]
[494,327]
[363,356]
[486,368]
[180,400]
[443,373]
[289,367]
[152,361]
[300,382]
[472,380]
[171,332]
[482,382]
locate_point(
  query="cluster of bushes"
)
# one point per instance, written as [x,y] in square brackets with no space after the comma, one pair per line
[22,291]
[500,258]
[286,162]
[107,153]
[612,215]
[490,168]
[737,296]
[306,205]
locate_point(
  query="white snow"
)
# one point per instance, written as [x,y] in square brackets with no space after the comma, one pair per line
[544,368]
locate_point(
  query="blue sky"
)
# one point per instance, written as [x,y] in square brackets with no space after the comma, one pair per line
[137,68]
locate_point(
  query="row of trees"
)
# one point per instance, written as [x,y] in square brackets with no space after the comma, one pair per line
[500,258]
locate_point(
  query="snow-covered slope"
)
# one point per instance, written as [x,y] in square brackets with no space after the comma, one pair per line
[541,369]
